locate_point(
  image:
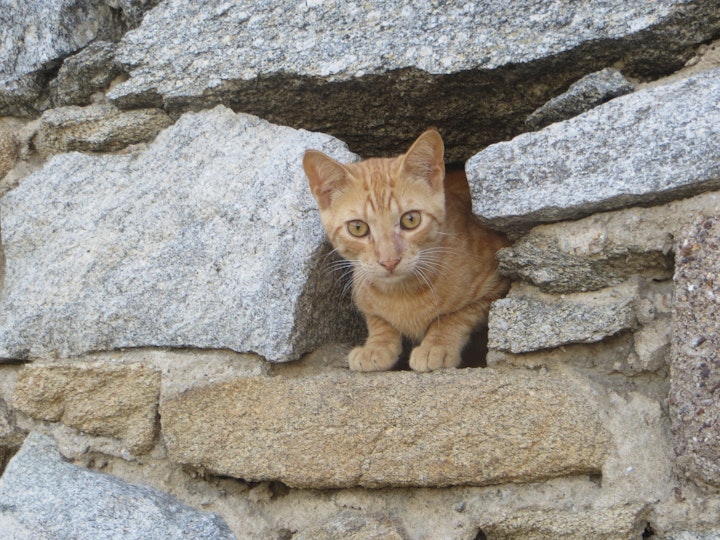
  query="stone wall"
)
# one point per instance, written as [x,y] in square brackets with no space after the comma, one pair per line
[172,340]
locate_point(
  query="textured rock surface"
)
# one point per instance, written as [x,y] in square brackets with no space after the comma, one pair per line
[604,249]
[208,238]
[9,146]
[43,496]
[617,523]
[118,401]
[456,66]
[590,91]
[390,429]
[97,128]
[695,371]
[355,527]
[529,320]
[36,36]
[644,148]
[83,74]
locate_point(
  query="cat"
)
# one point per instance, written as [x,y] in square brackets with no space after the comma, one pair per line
[423,265]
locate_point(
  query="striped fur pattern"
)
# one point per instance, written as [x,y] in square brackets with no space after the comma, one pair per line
[422,264]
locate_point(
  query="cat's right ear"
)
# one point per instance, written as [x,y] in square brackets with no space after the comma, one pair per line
[326,176]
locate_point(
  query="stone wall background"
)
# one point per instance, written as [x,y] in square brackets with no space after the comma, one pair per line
[172,343]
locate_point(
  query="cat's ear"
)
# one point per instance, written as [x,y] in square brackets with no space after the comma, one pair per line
[425,159]
[326,176]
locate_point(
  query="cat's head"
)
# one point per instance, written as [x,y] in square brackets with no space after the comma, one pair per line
[383,214]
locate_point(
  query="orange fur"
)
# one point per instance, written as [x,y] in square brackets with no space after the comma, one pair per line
[433,281]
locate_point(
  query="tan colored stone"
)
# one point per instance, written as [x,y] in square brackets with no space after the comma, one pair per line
[117,401]
[616,523]
[458,427]
[97,128]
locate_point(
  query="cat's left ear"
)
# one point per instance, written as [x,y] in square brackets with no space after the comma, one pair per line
[425,159]
[326,176]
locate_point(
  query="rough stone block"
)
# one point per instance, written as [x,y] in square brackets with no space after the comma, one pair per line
[44,496]
[118,401]
[207,238]
[342,429]
[590,91]
[529,320]
[604,249]
[695,368]
[645,148]
[614,523]
[97,128]
[81,75]
[459,65]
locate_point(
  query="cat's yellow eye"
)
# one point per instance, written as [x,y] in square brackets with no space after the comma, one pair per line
[358,228]
[410,220]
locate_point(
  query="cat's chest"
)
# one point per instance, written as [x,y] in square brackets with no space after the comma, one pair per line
[410,313]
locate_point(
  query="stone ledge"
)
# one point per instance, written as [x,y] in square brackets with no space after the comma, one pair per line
[464,427]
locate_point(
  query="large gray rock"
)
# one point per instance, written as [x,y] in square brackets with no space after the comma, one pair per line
[44,497]
[695,373]
[456,65]
[208,238]
[645,148]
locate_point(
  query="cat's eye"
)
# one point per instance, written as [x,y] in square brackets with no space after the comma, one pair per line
[358,228]
[410,220]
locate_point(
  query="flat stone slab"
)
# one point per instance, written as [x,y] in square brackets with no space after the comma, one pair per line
[207,238]
[343,429]
[529,320]
[44,496]
[459,65]
[604,249]
[695,368]
[117,401]
[645,148]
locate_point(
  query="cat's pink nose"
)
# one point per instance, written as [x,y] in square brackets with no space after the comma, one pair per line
[390,264]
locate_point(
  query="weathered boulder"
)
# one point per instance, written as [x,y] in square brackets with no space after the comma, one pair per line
[117,401]
[456,66]
[695,369]
[96,128]
[207,238]
[43,496]
[529,320]
[645,148]
[343,429]
[604,249]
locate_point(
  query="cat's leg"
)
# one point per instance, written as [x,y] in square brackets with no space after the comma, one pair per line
[381,350]
[445,338]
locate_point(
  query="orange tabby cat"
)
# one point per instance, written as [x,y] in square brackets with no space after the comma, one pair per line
[423,265]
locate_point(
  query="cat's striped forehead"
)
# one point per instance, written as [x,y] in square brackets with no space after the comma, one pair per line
[377,181]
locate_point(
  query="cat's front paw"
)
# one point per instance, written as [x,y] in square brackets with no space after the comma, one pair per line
[371,358]
[432,357]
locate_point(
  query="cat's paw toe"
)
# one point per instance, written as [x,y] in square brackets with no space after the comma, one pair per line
[432,357]
[371,359]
